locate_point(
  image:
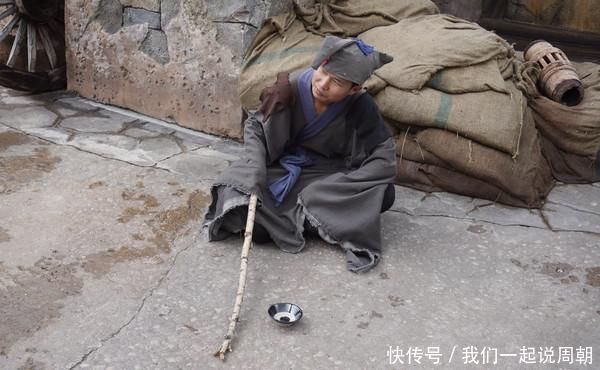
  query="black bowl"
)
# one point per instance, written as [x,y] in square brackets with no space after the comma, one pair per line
[285,314]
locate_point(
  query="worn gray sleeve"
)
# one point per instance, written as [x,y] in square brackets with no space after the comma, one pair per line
[248,174]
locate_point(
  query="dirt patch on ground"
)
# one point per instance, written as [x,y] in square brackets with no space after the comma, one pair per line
[34,298]
[171,221]
[593,276]
[99,264]
[15,171]
[149,202]
[165,226]
[11,138]
[4,236]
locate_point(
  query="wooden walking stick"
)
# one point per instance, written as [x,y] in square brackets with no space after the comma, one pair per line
[235,317]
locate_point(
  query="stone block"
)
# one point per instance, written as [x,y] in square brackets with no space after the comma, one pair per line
[157,128]
[113,146]
[27,117]
[156,46]
[109,15]
[196,165]
[52,134]
[133,16]
[191,141]
[584,197]
[152,5]
[78,104]
[22,100]
[168,10]
[139,133]
[565,218]
[159,148]
[92,124]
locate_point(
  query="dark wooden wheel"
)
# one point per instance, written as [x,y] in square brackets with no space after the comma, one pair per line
[35,25]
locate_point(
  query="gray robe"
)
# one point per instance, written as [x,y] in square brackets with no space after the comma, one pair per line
[340,195]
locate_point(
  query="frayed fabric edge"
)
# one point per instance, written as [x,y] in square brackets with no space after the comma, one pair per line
[228,206]
[346,246]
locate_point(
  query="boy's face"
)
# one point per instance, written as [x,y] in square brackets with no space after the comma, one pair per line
[328,88]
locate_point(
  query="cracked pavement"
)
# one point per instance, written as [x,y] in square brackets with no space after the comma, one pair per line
[103,265]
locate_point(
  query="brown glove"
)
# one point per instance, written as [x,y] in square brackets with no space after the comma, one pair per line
[277,96]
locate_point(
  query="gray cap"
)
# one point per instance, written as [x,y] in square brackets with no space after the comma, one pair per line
[350,59]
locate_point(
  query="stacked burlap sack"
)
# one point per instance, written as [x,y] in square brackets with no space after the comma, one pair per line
[571,135]
[455,97]
[289,41]
[464,125]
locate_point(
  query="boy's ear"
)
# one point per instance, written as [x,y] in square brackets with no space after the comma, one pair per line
[355,89]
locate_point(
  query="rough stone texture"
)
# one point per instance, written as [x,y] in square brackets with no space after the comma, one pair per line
[567,217]
[153,5]
[92,124]
[196,165]
[28,117]
[139,133]
[585,198]
[168,10]
[417,203]
[78,104]
[156,46]
[133,16]
[187,75]
[113,146]
[20,100]
[108,13]
[157,128]
[65,112]
[160,148]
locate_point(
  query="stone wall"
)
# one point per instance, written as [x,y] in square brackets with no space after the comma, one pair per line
[176,60]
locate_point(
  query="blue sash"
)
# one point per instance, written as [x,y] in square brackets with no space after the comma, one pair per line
[298,157]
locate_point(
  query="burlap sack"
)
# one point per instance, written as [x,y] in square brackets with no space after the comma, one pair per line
[407,147]
[424,45]
[289,42]
[571,168]
[283,45]
[353,17]
[573,129]
[528,177]
[491,118]
[478,77]
[431,178]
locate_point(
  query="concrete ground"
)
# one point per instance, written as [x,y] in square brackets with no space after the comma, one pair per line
[102,264]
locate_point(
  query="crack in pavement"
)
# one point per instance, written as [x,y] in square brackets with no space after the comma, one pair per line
[495,223]
[138,310]
[86,151]
[573,208]
[465,218]
[476,208]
